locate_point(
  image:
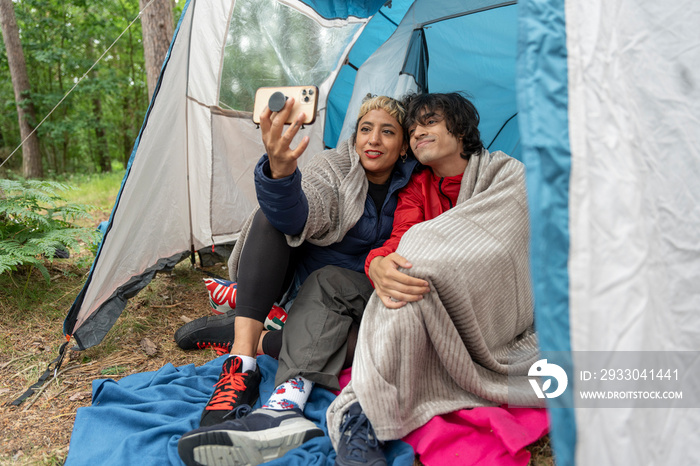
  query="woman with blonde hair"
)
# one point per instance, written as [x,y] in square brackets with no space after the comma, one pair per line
[320,223]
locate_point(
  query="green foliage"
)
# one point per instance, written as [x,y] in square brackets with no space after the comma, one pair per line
[99,121]
[35,223]
[114,370]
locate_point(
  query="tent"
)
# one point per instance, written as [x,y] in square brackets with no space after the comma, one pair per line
[600,100]
[193,158]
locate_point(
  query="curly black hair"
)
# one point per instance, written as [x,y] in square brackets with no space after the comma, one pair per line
[461,117]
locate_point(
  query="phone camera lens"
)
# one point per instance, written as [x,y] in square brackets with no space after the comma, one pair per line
[306,98]
[311,92]
[303,92]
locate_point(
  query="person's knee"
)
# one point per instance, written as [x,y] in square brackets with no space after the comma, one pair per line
[335,277]
[342,290]
[329,276]
[321,282]
[261,224]
[266,238]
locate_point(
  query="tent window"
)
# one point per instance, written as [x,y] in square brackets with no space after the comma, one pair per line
[271,44]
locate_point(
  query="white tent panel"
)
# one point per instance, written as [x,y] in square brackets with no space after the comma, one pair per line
[634,122]
[231,180]
[199,161]
[635,144]
[153,190]
[208,38]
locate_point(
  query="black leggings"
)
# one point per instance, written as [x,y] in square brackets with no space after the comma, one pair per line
[265,269]
[265,272]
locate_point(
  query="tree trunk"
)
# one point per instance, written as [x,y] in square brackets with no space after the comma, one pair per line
[130,103]
[31,156]
[102,149]
[127,124]
[157,27]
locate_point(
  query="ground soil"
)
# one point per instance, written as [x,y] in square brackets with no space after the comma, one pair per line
[38,431]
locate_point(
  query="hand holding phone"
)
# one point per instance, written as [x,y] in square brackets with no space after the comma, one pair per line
[277,138]
[305,100]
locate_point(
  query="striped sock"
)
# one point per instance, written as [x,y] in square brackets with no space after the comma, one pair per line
[291,394]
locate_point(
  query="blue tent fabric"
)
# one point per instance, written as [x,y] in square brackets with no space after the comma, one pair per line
[342,9]
[377,31]
[140,418]
[542,78]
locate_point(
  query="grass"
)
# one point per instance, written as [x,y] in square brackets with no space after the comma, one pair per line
[31,321]
[98,190]
[38,431]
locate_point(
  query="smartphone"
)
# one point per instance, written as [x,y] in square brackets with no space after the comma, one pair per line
[305,100]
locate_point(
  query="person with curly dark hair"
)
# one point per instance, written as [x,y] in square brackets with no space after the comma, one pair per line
[462,228]
[460,115]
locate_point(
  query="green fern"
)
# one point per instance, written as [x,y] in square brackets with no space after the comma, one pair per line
[35,222]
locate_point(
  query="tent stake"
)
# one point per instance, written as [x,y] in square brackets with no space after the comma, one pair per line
[51,368]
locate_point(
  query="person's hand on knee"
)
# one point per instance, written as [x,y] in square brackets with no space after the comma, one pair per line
[394,287]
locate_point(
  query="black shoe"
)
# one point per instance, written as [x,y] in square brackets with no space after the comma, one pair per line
[262,436]
[208,332]
[358,445]
[234,389]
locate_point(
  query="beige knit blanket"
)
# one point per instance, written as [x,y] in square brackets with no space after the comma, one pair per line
[470,341]
[335,186]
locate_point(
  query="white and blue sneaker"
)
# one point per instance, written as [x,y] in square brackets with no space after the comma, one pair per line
[262,436]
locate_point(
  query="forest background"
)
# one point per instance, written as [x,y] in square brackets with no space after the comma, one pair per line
[76,78]
[60,41]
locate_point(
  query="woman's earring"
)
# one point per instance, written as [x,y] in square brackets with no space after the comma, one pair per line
[404,156]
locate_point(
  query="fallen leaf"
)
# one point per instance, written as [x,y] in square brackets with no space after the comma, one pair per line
[149,347]
[78,396]
[185,319]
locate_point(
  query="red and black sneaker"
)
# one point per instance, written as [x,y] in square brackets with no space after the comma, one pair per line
[234,389]
[208,332]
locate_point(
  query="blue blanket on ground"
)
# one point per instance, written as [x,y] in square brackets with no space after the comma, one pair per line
[139,419]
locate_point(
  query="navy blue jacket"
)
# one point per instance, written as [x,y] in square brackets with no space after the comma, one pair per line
[284,204]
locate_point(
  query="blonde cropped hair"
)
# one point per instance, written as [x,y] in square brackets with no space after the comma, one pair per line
[381,102]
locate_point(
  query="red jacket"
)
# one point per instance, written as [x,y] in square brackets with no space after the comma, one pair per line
[425,197]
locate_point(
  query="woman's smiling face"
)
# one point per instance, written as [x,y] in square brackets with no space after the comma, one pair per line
[379,143]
